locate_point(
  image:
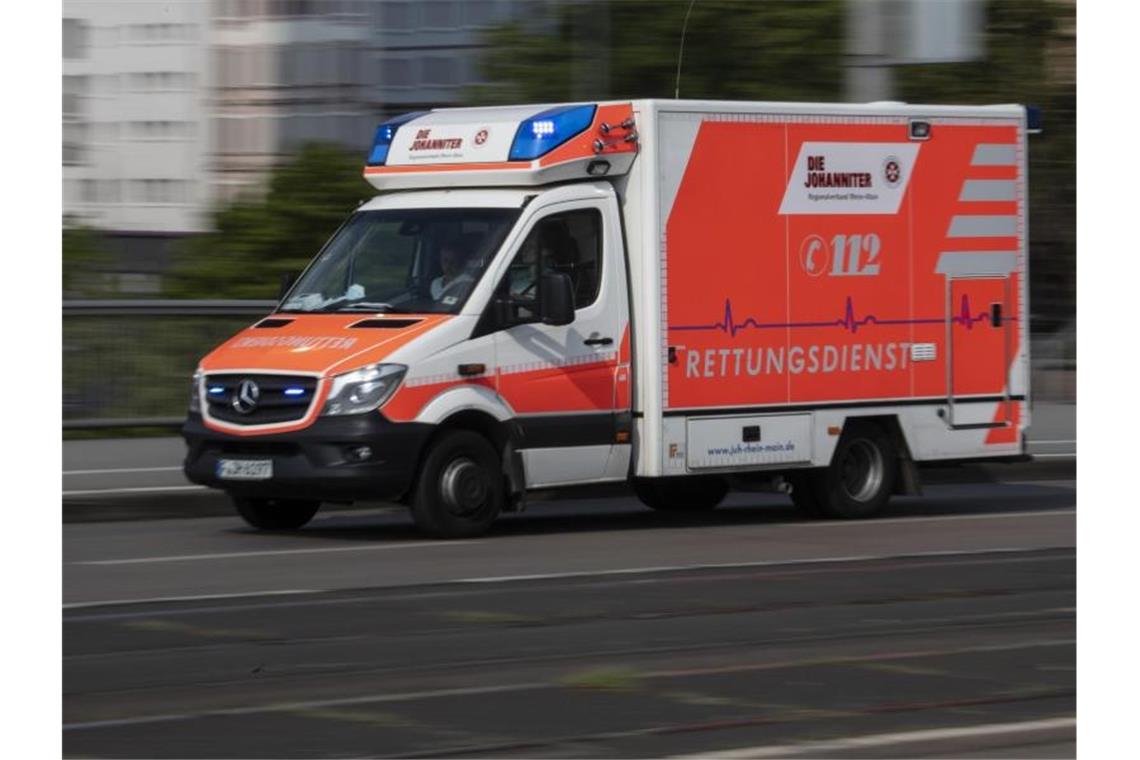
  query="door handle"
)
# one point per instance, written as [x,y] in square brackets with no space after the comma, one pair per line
[598,341]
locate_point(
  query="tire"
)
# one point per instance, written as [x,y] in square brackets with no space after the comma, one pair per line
[459,491]
[694,494]
[859,481]
[275,514]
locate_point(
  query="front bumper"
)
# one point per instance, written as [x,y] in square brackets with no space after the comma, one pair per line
[313,463]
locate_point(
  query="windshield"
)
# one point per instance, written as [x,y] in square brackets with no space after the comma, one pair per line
[405,260]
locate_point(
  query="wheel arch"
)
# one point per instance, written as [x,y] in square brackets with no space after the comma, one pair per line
[502,436]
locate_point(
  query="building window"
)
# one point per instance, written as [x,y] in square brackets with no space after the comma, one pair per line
[478,13]
[74,38]
[439,71]
[396,17]
[440,14]
[396,72]
[168,191]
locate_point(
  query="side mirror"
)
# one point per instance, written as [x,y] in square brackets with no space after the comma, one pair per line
[501,312]
[287,281]
[556,299]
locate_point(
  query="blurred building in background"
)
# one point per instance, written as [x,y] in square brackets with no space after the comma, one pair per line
[171,109]
[136,128]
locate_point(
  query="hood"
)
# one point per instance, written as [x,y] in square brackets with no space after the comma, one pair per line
[326,344]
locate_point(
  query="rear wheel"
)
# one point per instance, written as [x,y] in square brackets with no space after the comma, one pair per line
[460,488]
[697,494]
[859,481]
[275,514]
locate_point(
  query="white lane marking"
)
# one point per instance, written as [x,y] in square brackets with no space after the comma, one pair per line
[936,518]
[315,704]
[271,553]
[967,558]
[817,749]
[1031,441]
[193,598]
[529,686]
[601,573]
[117,470]
[1054,456]
[140,489]
[746,565]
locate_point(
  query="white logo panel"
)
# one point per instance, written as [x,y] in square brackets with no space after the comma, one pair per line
[849,178]
[418,142]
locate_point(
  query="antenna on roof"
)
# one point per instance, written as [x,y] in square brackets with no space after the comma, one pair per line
[681,50]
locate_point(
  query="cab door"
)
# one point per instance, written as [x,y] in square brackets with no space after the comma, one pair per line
[568,384]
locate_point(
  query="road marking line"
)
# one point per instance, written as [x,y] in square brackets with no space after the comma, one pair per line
[271,553]
[503,688]
[193,598]
[293,706]
[122,470]
[933,518]
[745,565]
[816,749]
[141,489]
[547,576]
[1054,456]
[1072,440]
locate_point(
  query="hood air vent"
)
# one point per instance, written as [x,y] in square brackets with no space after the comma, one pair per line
[273,322]
[386,324]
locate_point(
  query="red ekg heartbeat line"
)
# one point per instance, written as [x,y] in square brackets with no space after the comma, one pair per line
[849,321]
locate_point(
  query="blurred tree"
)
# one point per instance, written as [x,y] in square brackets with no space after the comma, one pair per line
[256,240]
[85,258]
[738,50]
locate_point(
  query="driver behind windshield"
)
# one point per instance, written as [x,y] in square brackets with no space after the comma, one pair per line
[454,281]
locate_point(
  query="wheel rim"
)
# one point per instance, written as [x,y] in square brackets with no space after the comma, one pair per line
[862,470]
[463,486]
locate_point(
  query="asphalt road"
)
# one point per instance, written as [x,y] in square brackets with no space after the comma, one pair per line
[585,628]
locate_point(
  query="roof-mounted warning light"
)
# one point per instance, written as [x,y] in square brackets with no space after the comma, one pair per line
[384,135]
[545,131]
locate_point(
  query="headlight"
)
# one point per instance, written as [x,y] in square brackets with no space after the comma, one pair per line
[363,390]
[196,392]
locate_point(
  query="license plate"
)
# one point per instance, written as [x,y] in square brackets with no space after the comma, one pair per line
[245,469]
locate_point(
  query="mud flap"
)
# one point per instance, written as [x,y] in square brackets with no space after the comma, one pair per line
[515,477]
[908,482]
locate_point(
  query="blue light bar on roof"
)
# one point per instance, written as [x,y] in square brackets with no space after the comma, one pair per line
[384,134]
[544,132]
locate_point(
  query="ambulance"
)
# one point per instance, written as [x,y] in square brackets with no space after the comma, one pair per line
[684,295]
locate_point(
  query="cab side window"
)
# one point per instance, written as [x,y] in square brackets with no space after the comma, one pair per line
[570,243]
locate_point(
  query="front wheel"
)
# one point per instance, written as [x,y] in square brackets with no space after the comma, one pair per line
[275,514]
[688,494]
[460,488]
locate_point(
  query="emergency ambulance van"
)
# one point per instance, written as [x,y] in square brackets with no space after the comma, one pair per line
[675,293]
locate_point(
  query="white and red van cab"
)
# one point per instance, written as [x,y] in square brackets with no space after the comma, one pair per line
[668,292]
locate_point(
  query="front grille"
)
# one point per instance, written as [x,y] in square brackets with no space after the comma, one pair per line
[273,403]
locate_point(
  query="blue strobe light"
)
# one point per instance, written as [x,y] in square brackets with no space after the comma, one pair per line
[384,135]
[544,132]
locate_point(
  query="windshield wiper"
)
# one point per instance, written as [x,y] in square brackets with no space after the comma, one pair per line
[387,308]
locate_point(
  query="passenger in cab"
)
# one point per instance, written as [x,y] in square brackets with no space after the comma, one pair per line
[454,280]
